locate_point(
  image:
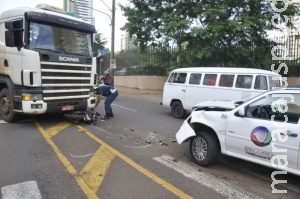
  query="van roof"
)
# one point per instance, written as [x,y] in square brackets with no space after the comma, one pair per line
[225,70]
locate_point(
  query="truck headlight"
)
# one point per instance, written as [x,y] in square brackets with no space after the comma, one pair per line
[32,97]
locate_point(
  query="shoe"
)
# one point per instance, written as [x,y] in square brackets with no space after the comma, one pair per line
[105,117]
[111,114]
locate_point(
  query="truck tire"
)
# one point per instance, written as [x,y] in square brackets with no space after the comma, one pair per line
[177,110]
[6,106]
[204,148]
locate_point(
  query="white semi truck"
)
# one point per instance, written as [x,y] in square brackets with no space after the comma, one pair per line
[47,62]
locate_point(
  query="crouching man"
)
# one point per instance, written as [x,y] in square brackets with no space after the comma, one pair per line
[111,94]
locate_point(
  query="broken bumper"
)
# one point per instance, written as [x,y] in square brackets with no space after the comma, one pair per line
[185,132]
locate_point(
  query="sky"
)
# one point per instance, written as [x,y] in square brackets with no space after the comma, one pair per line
[102,21]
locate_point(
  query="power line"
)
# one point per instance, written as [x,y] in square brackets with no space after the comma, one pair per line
[106,5]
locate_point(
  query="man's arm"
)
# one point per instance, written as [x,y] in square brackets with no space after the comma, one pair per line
[98,101]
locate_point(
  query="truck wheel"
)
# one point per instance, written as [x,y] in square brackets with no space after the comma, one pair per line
[177,110]
[204,148]
[6,106]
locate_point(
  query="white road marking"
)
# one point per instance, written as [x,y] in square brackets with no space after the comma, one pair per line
[80,156]
[125,107]
[2,121]
[205,179]
[24,190]
[138,147]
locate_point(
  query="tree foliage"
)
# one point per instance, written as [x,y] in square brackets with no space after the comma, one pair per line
[101,41]
[215,29]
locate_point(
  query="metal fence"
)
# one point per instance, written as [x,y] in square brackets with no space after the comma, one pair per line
[159,61]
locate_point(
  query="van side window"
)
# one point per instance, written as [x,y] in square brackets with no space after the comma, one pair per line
[244,81]
[210,79]
[261,82]
[178,78]
[195,78]
[226,80]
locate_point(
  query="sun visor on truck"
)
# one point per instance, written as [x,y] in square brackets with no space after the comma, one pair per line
[59,20]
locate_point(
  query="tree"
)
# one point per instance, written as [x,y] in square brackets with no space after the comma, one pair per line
[215,29]
[101,42]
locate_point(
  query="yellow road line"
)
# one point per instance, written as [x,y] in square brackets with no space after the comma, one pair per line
[94,171]
[58,128]
[141,169]
[47,135]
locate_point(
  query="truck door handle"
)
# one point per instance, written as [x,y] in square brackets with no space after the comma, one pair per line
[5,63]
[183,90]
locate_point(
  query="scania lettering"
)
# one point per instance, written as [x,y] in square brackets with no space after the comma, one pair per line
[47,62]
[72,59]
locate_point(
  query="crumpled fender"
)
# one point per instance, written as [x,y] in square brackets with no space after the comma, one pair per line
[216,120]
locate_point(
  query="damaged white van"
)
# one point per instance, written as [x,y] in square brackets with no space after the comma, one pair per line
[263,130]
[186,87]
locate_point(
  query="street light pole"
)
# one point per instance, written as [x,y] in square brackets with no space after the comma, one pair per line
[112,40]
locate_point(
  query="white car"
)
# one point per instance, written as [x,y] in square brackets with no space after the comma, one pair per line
[264,130]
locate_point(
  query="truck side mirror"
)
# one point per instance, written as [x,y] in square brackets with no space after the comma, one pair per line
[14,33]
[95,49]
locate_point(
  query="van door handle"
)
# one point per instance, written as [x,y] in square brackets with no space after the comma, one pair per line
[183,90]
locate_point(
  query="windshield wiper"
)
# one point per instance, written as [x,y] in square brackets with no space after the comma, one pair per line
[45,49]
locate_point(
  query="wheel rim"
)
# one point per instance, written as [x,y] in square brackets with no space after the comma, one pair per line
[176,109]
[199,148]
[5,105]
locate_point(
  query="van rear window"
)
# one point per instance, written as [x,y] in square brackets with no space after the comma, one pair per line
[274,82]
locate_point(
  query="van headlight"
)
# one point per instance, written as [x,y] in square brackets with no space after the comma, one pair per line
[32,97]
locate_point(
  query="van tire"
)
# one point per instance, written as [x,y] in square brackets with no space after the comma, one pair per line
[6,106]
[204,148]
[177,110]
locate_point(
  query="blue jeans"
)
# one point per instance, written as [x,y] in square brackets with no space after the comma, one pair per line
[109,100]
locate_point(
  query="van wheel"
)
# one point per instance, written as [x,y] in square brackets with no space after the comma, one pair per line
[204,148]
[177,110]
[6,106]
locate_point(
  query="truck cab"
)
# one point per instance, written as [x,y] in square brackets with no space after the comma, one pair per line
[47,62]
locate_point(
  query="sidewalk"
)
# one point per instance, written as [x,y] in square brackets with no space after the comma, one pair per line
[151,95]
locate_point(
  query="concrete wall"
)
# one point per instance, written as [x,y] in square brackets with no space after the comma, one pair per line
[157,82]
[293,80]
[141,82]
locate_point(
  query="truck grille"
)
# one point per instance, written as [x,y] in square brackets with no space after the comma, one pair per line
[68,81]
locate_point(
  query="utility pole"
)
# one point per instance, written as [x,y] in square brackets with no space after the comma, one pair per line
[112,70]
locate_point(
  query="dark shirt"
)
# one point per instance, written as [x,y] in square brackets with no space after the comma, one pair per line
[104,90]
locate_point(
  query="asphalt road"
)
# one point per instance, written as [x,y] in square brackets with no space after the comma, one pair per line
[132,155]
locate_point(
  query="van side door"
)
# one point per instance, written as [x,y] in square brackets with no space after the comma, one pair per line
[193,90]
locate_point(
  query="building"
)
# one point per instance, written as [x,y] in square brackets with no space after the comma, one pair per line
[127,43]
[80,8]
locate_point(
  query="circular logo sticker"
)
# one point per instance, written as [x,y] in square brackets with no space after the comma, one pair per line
[261,136]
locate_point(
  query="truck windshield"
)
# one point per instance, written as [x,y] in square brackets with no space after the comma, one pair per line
[59,40]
